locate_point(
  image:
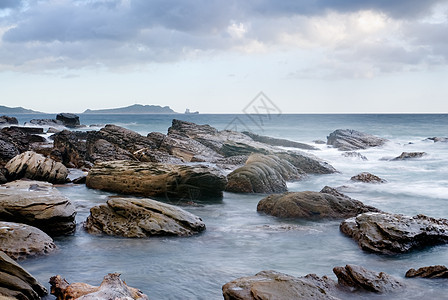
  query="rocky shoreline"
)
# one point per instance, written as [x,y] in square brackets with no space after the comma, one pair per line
[189,164]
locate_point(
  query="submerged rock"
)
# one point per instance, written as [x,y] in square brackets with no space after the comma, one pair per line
[35,166]
[262,174]
[438,139]
[38,204]
[410,155]
[312,205]
[348,140]
[428,272]
[157,180]
[367,178]
[354,155]
[20,241]
[16,282]
[112,287]
[137,218]
[360,278]
[393,233]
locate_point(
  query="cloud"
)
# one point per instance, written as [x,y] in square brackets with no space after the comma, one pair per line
[378,35]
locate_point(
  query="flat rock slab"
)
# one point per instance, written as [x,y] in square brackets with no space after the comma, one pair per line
[37,167]
[312,205]
[348,140]
[20,241]
[393,233]
[38,204]
[16,282]
[428,272]
[158,180]
[137,218]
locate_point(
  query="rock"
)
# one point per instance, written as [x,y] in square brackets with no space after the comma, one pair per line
[312,205]
[69,120]
[46,122]
[80,180]
[28,130]
[2,176]
[410,155]
[38,204]
[367,178]
[278,142]
[16,282]
[157,180]
[393,233]
[53,130]
[348,139]
[72,147]
[262,174]
[102,150]
[35,166]
[438,139]
[428,272]
[112,287]
[319,142]
[7,151]
[20,241]
[362,279]
[279,286]
[137,218]
[307,163]
[354,155]
[5,120]
[188,149]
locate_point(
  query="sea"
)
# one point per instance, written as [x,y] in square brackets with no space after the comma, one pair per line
[240,242]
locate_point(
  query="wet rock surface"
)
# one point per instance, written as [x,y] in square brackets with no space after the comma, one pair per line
[137,218]
[312,205]
[5,120]
[428,272]
[68,119]
[38,204]
[394,233]
[71,148]
[367,178]
[35,166]
[278,142]
[112,287]
[158,180]
[410,155]
[348,140]
[16,282]
[20,241]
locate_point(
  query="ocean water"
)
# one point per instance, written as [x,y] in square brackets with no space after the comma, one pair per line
[240,242]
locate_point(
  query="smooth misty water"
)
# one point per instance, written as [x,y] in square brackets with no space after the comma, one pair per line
[240,242]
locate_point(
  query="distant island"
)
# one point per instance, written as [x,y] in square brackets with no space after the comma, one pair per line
[17,110]
[134,109]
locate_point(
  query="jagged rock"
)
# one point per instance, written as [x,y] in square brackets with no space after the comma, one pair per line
[35,166]
[2,176]
[438,139]
[27,130]
[46,122]
[20,241]
[327,203]
[38,204]
[68,119]
[360,278]
[137,218]
[348,139]
[262,174]
[188,149]
[367,178]
[112,287]
[157,180]
[278,142]
[274,285]
[307,163]
[16,282]
[5,120]
[410,155]
[72,147]
[7,151]
[354,155]
[393,233]
[102,150]
[429,272]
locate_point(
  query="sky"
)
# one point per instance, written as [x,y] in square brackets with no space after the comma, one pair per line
[216,56]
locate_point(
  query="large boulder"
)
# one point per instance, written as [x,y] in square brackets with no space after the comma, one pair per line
[262,174]
[348,140]
[278,142]
[68,119]
[367,177]
[327,203]
[112,287]
[394,233]
[71,146]
[20,241]
[38,204]
[35,166]
[157,180]
[307,163]
[428,272]
[410,155]
[5,120]
[16,282]
[361,279]
[137,218]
